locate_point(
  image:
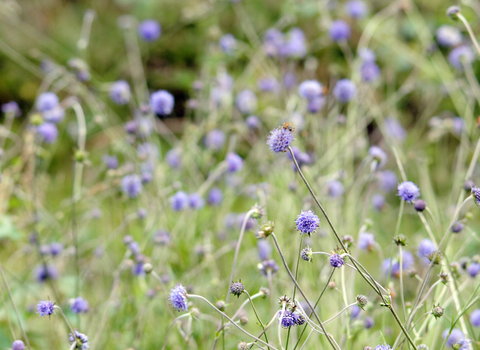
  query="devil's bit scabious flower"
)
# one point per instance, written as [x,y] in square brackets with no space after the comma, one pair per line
[369,71]
[378,201]
[452,11]
[369,323]
[268,266]
[46,101]
[356,9]
[264,250]
[178,298]
[378,155]
[215,196]
[476,195]
[382,347]
[196,201]
[344,90]
[335,188]
[475,318]
[425,248]
[306,254]
[43,273]
[48,132]
[387,180]
[79,305]
[455,336]
[120,92]
[461,54]
[307,222]
[246,101]
[11,107]
[279,139]
[287,319]
[366,241]
[310,89]
[214,139]
[45,308]
[408,191]
[448,36]
[336,260]
[80,340]
[237,288]
[234,162]
[179,201]
[394,129]
[149,30]
[174,158]
[162,102]
[132,185]
[473,269]
[339,30]
[18,345]
[457,227]
[253,122]
[228,44]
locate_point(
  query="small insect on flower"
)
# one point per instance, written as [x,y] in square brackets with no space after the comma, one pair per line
[288,126]
[280,139]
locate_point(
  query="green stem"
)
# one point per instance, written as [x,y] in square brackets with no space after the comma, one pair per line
[295,287]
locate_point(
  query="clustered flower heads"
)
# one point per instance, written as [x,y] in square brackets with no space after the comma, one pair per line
[307,222]
[178,298]
[280,139]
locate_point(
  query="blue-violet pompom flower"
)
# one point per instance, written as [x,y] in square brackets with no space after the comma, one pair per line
[336,260]
[459,55]
[132,185]
[178,298]
[215,196]
[475,318]
[162,102]
[179,201]
[45,308]
[46,101]
[279,139]
[456,335]
[120,92]
[18,345]
[344,90]
[196,201]
[408,191]
[246,101]
[339,30]
[287,319]
[79,305]
[234,162]
[149,30]
[307,222]
[48,132]
[476,195]
[356,9]
[382,347]
[79,339]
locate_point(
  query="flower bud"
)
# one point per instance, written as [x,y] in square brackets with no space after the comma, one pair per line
[362,301]
[221,305]
[147,268]
[437,311]
[400,240]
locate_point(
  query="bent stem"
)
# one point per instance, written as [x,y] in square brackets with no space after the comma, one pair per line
[470,32]
[329,337]
[231,321]
[256,314]
[295,287]
[375,288]
[170,328]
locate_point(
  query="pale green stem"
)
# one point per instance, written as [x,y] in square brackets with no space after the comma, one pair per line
[470,32]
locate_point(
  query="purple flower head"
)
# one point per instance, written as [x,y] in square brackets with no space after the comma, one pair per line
[173,157]
[425,248]
[80,340]
[453,337]
[310,89]
[367,55]
[289,80]
[162,102]
[273,40]
[147,177]
[476,195]
[48,132]
[344,90]
[457,227]
[214,139]
[287,319]
[378,201]
[215,196]
[55,248]
[43,273]
[369,323]
[120,92]
[394,129]
[11,107]
[196,201]
[18,345]
[380,346]
[279,139]
[179,201]
[355,311]
[366,241]
[335,188]
[132,185]
[473,269]
[149,30]
[253,122]
[264,250]
[54,115]
[379,155]
[110,161]
[46,101]
[461,54]
[369,71]
[250,222]
[295,45]
[234,162]
[316,104]
[339,30]
[389,266]
[475,318]
[268,266]
[178,298]
[457,126]
[336,260]
[45,308]
[307,222]
[79,305]
[387,180]
[407,260]
[448,36]
[246,101]
[408,191]
[268,84]
[162,237]
[131,127]
[356,9]
[228,44]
